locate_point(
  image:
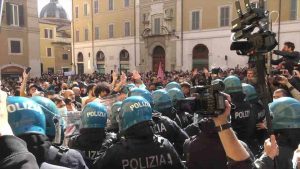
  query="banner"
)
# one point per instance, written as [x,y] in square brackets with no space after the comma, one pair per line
[70,73]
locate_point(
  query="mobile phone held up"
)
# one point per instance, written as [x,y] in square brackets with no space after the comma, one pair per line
[27,70]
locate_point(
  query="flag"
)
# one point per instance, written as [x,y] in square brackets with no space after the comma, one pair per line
[1,9]
[160,73]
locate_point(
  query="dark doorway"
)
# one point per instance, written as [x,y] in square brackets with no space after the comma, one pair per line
[158,57]
[200,56]
[80,67]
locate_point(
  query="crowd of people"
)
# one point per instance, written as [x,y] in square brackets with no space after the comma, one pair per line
[145,120]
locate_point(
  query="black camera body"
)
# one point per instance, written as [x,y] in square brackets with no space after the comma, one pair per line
[207,101]
[261,41]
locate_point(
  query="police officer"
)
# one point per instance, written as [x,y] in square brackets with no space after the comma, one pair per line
[54,123]
[286,125]
[115,108]
[92,134]
[185,118]
[258,110]
[172,85]
[243,120]
[29,123]
[163,104]
[140,148]
[163,125]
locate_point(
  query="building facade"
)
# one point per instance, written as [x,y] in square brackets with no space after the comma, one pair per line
[19,37]
[55,39]
[178,34]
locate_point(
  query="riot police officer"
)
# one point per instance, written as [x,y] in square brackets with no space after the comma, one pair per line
[286,126]
[185,118]
[243,120]
[163,125]
[92,133]
[163,104]
[114,126]
[172,85]
[258,110]
[28,122]
[140,148]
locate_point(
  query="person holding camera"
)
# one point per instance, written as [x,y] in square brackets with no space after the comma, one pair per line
[289,59]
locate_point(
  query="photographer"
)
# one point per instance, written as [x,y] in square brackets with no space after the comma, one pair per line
[289,56]
[294,92]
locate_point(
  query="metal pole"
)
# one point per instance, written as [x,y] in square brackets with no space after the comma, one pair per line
[279,24]
[93,53]
[73,39]
[134,30]
[181,34]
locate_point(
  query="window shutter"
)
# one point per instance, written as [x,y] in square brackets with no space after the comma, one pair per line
[21,15]
[8,14]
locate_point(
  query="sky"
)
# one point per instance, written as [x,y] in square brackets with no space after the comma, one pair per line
[67,4]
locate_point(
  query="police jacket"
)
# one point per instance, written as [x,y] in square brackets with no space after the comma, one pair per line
[185,118]
[14,154]
[89,143]
[168,129]
[243,120]
[152,152]
[40,146]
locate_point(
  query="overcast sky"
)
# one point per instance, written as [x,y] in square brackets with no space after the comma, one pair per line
[67,4]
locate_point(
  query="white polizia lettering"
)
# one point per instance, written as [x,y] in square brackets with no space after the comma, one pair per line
[22,106]
[139,105]
[147,162]
[242,114]
[95,114]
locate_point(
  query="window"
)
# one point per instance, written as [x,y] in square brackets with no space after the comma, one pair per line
[77,36]
[110,5]
[97,33]
[76,12]
[195,20]
[157,26]
[111,31]
[65,56]
[86,34]
[15,46]
[48,33]
[127,29]
[293,14]
[85,9]
[14,15]
[49,52]
[96,6]
[100,57]
[224,16]
[126,3]
[124,55]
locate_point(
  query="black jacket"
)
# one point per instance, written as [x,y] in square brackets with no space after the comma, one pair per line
[169,129]
[42,149]
[89,143]
[290,57]
[14,154]
[154,152]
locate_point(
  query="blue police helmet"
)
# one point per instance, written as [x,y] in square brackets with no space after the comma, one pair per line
[249,91]
[175,94]
[143,93]
[51,112]
[94,115]
[25,116]
[285,112]
[161,100]
[115,109]
[232,85]
[127,88]
[134,110]
[172,85]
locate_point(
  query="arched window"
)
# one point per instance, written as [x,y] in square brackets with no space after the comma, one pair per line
[100,57]
[124,55]
[80,57]
[200,56]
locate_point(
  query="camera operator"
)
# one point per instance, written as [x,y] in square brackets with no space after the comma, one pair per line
[217,142]
[289,56]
